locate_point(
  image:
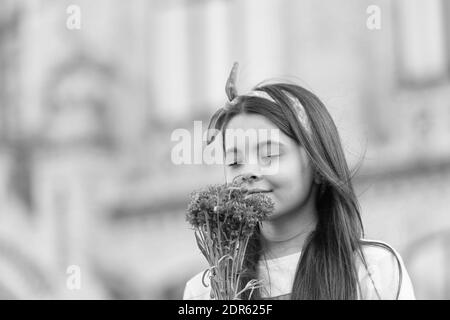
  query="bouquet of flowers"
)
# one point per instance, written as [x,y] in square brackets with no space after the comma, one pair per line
[224,218]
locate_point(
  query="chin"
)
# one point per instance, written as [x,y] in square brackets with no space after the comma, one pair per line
[283,208]
[276,212]
[274,216]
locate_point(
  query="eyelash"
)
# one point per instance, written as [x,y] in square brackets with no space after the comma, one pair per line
[235,164]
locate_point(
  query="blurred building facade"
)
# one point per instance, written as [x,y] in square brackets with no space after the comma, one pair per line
[86,117]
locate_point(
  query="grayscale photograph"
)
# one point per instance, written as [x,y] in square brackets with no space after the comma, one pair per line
[224,150]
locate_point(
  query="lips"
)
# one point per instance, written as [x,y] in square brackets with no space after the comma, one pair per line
[252,191]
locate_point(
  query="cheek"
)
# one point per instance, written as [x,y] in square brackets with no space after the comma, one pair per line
[231,173]
[293,180]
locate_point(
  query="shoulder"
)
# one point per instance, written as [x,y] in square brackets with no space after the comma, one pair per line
[195,289]
[382,273]
[378,251]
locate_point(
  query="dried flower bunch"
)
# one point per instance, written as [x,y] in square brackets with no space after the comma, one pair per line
[224,218]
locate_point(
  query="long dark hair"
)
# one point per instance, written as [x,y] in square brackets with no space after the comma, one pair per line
[326,269]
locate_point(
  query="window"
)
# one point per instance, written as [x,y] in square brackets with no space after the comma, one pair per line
[421,42]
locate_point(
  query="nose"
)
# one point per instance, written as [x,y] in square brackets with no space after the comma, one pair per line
[249,177]
[252,177]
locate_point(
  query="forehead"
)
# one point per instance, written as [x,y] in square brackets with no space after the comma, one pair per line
[259,124]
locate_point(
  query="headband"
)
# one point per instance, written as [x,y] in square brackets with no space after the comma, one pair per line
[233,97]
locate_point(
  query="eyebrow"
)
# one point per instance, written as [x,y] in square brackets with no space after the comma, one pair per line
[268,143]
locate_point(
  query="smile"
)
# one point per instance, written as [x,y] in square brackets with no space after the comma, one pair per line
[259,191]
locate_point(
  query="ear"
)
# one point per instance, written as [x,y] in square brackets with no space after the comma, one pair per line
[317,177]
[306,159]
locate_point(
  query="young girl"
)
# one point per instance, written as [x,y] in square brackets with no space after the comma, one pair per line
[312,246]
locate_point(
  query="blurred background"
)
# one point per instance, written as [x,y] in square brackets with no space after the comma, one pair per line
[87,109]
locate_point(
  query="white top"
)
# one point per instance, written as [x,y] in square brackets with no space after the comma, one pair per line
[279,275]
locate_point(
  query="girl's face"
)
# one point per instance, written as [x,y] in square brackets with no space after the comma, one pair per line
[290,184]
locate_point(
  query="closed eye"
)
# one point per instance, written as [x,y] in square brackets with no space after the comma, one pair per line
[234,165]
[272,155]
